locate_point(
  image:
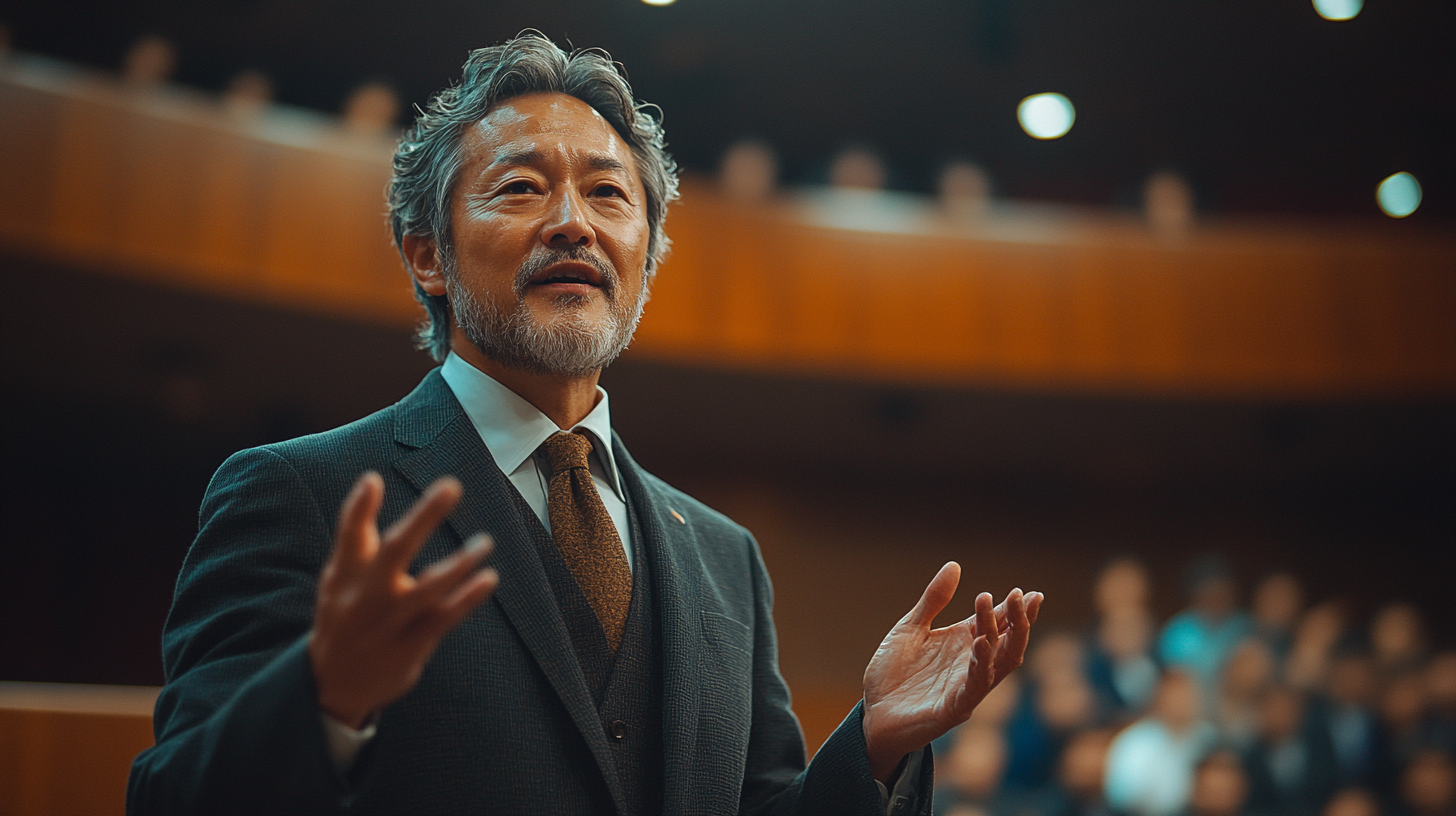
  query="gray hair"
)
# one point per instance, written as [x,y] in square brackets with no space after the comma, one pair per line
[429,156]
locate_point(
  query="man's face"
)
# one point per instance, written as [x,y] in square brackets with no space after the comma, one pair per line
[549,225]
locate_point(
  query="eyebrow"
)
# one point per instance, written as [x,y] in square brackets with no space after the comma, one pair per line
[527,158]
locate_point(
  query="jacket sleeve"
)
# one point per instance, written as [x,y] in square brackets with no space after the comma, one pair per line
[838,781]
[237,726]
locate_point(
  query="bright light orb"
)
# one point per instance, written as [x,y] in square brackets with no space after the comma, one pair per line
[1338,9]
[1046,115]
[659,2]
[1399,195]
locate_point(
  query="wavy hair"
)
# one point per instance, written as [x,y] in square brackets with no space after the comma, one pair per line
[429,156]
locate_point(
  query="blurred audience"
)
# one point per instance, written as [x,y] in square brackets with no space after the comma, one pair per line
[1271,710]
[372,110]
[1150,764]
[1428,786]
[749,172]
[1315,639]
[963,191]
[1353,734]
[1121,666]
[1080,775]
[857,168]
[968,776]
[1220,787]
[1397,639]
[1277,602]
[1353,802]
[1246,679]
[1291,766]
[149,62]
[1441,697]
[1201,637]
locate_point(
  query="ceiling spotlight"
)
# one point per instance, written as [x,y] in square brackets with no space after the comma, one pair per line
[1399,195]
[1338,9]
[659,2]
[1046,115]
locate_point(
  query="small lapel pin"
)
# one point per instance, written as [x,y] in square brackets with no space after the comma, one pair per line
[678,516]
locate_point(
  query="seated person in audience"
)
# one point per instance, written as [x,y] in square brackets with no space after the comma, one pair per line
[969,775]
[1354,729]
[1200,638]
[1401,728]
[1080,774]
[1292,764]
[1277,601]
[1220,787]
[1150,764]
[1120,664]
[1057,701]
[1319,634]
[1441,696]
[1428,785]
[1244,681]
[1398,639]
[1352,802]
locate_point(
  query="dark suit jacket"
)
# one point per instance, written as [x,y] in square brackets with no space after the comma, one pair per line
[502,720]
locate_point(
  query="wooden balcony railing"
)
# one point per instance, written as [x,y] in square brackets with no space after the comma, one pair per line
[286,207]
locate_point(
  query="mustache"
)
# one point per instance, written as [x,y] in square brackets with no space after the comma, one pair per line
[546,256]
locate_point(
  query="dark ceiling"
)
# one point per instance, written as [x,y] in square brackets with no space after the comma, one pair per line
[1264,106]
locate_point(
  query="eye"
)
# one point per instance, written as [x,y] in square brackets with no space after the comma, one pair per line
[608,190]
[519,188]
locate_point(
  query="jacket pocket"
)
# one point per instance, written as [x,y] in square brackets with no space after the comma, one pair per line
[727,635]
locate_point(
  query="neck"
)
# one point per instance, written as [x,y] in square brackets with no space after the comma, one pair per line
[564,400]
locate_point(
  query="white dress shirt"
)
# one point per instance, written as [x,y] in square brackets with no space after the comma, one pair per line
[513,430]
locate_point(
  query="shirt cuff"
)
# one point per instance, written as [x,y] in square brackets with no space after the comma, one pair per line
[897,802]
[344,742]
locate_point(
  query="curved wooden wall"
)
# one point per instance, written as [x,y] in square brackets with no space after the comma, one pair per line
[286,207]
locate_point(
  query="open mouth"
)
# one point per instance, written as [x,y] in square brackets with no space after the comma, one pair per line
[572,274]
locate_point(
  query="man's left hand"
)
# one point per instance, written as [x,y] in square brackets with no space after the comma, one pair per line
[922,682]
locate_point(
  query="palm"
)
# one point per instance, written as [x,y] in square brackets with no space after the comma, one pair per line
[922,682]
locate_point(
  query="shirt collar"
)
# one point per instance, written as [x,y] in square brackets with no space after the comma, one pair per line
[512,429]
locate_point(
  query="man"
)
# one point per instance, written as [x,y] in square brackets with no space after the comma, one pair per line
[626,660]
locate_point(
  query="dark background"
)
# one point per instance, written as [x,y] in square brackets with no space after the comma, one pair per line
[119,400]
[1262,105]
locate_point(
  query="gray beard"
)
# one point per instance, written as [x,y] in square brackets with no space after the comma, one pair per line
[571,346]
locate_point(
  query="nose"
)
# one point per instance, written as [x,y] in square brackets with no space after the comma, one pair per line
[567,223]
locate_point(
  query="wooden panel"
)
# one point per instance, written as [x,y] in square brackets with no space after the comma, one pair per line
[287,209]
[66,750]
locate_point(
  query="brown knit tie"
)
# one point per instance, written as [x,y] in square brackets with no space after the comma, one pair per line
[585,534]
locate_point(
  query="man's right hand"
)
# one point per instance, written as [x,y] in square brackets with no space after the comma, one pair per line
[375,626]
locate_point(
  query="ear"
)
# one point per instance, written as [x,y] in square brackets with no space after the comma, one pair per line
[424,263]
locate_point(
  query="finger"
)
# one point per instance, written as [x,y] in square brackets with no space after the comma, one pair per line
[358,536]
[1014,648]
[980,678]
[1033,606]
[936,596]
[436,582]
[1001,618]
[460,603]
[405,537]
[986,625]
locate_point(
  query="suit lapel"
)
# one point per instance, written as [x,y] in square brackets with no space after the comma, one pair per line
[678,584]
[446,443]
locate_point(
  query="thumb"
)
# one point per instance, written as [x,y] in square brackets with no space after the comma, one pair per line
[936,596]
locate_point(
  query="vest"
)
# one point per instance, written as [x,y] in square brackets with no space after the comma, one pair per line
[627,687]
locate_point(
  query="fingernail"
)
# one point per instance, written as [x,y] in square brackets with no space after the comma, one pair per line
[477,543]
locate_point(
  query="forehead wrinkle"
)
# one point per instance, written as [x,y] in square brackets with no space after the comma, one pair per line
[528,132]
[518,154]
